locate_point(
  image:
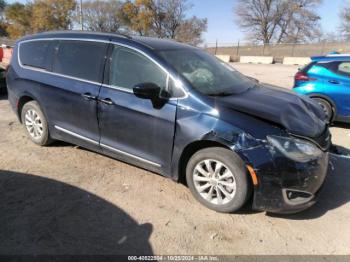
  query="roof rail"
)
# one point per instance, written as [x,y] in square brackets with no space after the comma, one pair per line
[123,35]
[336,55]
[86,32]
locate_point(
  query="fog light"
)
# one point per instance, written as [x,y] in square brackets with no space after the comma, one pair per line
[296,197]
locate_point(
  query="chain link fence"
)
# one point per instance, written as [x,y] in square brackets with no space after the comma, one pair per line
[278,51]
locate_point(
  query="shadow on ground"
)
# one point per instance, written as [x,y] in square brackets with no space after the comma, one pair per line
[342,125]
[335,191]
[43,216]
[340,150]
[3,97]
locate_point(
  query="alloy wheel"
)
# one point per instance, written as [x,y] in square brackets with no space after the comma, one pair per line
[34,124]
[214,182]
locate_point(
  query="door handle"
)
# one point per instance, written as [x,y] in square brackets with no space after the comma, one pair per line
[88,96]
[335,82]
[106,101]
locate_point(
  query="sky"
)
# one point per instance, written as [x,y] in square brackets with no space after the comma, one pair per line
[221,26]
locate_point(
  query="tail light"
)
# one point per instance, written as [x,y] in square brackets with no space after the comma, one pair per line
[301,76]
[5,55]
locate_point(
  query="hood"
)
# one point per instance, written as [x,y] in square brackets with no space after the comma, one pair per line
[297,114]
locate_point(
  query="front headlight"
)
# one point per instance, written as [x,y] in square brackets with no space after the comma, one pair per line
[295,149]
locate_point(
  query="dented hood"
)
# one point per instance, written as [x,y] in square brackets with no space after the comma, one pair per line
[297,114]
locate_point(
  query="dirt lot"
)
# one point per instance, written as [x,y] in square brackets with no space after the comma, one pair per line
[66,200]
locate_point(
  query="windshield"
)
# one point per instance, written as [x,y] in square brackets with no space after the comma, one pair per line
[206,73]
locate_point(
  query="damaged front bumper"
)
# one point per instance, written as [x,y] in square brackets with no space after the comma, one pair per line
[284,185]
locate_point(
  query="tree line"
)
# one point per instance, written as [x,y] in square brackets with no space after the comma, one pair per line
[157,18]
[263,21]
[288,21]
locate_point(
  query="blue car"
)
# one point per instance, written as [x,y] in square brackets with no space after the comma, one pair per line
[327,80]
[175,110]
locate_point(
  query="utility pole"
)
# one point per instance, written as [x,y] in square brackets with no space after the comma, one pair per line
[81,15]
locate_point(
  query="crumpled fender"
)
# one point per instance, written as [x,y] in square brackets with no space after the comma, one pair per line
[205,124]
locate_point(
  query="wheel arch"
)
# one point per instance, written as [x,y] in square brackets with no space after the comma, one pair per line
[195,146]
[190,150]
[25,98]
[327,99]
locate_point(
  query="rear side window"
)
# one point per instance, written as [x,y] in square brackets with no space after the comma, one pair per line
[129,68]
[80,59]
[34,53]
[344,68]
[313,66]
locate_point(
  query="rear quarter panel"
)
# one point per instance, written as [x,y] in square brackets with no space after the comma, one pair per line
[339,93]
[320,74]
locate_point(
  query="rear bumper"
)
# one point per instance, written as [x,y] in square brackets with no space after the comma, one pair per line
[13,101]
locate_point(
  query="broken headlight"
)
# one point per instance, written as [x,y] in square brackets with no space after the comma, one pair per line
[296,149]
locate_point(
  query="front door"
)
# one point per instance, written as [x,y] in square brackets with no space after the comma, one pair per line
[132,128]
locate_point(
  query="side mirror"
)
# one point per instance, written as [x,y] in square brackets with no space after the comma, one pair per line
[147,90]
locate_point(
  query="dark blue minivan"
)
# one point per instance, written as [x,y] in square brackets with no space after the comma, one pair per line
[175,110]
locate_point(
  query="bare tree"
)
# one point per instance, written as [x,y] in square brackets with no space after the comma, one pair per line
[258,18]
[277,21]
[299,23]
[191,30]
[175,11]
[176,26]
[101,15]
[163,19]
[345,21]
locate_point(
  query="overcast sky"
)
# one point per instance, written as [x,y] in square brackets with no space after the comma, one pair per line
[221,20]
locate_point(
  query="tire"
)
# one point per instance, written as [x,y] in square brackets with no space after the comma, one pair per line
[3,88]
[327,108]
[35,124]
[238,186]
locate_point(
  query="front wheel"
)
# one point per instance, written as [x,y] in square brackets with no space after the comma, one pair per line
[218,179]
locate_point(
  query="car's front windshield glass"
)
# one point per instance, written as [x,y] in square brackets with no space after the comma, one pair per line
[206,73]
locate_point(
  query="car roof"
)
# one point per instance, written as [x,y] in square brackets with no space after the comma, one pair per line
[160,44]
[331,57]
[149,42]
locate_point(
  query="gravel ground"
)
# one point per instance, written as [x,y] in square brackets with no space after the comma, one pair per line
[66,200]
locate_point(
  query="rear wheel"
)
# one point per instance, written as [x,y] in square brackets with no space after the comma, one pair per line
[3,88]
[327,108]
[217,178]
[35,124]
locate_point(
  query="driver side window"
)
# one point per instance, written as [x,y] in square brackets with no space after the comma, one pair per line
[129,68]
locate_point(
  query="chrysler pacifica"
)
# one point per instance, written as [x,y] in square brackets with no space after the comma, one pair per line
[175,110]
